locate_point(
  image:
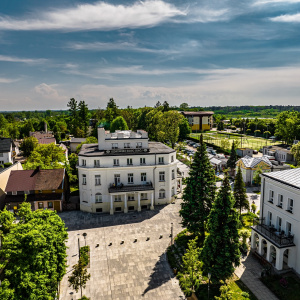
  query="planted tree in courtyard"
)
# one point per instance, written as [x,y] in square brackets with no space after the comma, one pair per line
[190,278]
[220,254]
[33,254]
[79,277]
[231,163]
[239,192]
[199,192]
[256,176]
[296,152]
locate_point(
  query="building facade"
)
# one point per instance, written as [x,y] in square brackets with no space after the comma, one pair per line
[6,153]
[125,172]
[199,120]
[276,237]
[281,153]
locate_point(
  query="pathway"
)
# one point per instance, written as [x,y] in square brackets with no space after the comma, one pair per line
[249,272]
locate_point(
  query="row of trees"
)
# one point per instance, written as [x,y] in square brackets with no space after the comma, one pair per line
[212,216]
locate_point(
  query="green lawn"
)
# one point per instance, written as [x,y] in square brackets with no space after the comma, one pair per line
[291,292]
[247,141]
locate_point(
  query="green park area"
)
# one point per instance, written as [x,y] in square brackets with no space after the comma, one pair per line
[224,140]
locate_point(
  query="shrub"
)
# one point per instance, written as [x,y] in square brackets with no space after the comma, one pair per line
[84,256]
[6,165]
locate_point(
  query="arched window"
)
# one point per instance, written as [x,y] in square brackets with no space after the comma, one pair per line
[98,198]
[162,194]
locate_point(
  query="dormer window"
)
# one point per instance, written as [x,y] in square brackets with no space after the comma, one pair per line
[139,145]
[126,145]
[114,146]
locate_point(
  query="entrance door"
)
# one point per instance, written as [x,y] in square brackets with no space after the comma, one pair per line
[57,206]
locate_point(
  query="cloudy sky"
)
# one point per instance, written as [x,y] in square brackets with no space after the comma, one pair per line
[235,52]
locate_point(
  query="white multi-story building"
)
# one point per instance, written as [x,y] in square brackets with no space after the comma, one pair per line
[6,154]
[276,237]
[125,172]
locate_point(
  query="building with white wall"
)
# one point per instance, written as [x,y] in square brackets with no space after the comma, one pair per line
[6,154]
[125,172]
[276,236]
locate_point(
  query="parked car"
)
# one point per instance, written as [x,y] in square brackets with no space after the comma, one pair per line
[255,151]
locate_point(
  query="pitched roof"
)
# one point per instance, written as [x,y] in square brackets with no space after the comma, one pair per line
[33,180]
[197,113]
[251,162]
[46,141]
[5,144]
[290,177]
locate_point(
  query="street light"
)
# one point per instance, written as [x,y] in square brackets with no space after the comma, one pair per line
[209,276]
[84,235]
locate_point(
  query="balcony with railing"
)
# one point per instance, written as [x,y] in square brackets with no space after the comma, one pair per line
[279,238]
[120,187]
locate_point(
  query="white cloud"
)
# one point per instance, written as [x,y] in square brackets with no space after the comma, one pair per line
[205,15]
[263,2]
[22,60]
[287,18]
[7,80]
[97,16]
[47,91]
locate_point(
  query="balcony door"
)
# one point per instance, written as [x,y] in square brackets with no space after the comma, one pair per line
[117,179]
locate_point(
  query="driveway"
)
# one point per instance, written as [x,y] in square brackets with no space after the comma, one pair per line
[129,270]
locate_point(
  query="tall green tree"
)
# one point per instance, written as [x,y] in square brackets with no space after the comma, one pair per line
[170,126]
[296,152]
[83,114]
[118,123]
[199,193]
[220,254]
[28,145]
[239,192]
[233,158]
[184,129]
[73,109]
[33,255]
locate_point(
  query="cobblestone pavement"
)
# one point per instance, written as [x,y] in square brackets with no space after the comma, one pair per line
[249,272]
[128,271]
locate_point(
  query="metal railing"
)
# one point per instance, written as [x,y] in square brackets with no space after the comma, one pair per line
[271,232]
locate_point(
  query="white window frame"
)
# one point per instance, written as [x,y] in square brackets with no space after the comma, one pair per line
[173,174]
[129,162]
[118,198]
[130,178]
[139,145]
[144,196]
[288,228]
[98,198]
[172,158]
[96,163]
[126,145]
[83,179]
[114,146]
[161,160]
[143,177]
[290,205]
[162,176]
[131,198]
[280,200]
[116,162]
[271,196]
[162,194]
[279,224]
[1,154]
[142,160]
[270,218]
[83,162]
[117,179]
[97,179]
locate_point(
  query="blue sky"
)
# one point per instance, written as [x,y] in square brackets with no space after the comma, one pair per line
[140,52]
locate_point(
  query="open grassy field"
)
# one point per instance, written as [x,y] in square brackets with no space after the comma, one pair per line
[246,141]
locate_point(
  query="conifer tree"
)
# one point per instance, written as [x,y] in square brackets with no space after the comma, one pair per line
[220,253]
[239,192]
[232,158]
[199,192]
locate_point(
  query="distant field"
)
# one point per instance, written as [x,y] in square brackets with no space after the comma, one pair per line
[247,141]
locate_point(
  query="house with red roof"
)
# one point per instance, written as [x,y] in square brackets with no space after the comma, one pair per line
[45,189]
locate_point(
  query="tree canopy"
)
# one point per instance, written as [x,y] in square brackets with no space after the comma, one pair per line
[28,145]
[239,192]
[33,255]
[118,123]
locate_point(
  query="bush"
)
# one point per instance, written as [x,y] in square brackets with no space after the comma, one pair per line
[1,167]
[6,165]
[84,256]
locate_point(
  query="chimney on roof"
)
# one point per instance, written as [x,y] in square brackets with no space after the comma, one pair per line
[45,126]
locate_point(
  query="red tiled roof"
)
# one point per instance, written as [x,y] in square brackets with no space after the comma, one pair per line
[46,141]
[33,180]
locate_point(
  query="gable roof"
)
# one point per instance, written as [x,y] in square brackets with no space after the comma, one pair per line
[5,144]
[47,141]
[290,177]
[251,162]
[197,113]
[33,180]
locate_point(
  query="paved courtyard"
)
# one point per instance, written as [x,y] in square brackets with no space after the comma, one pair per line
[128,271]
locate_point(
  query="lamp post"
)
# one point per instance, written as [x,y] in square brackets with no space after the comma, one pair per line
[84,235]
[209,276]
[171,233]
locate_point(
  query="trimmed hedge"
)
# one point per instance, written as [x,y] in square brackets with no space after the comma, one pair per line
[84,255]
